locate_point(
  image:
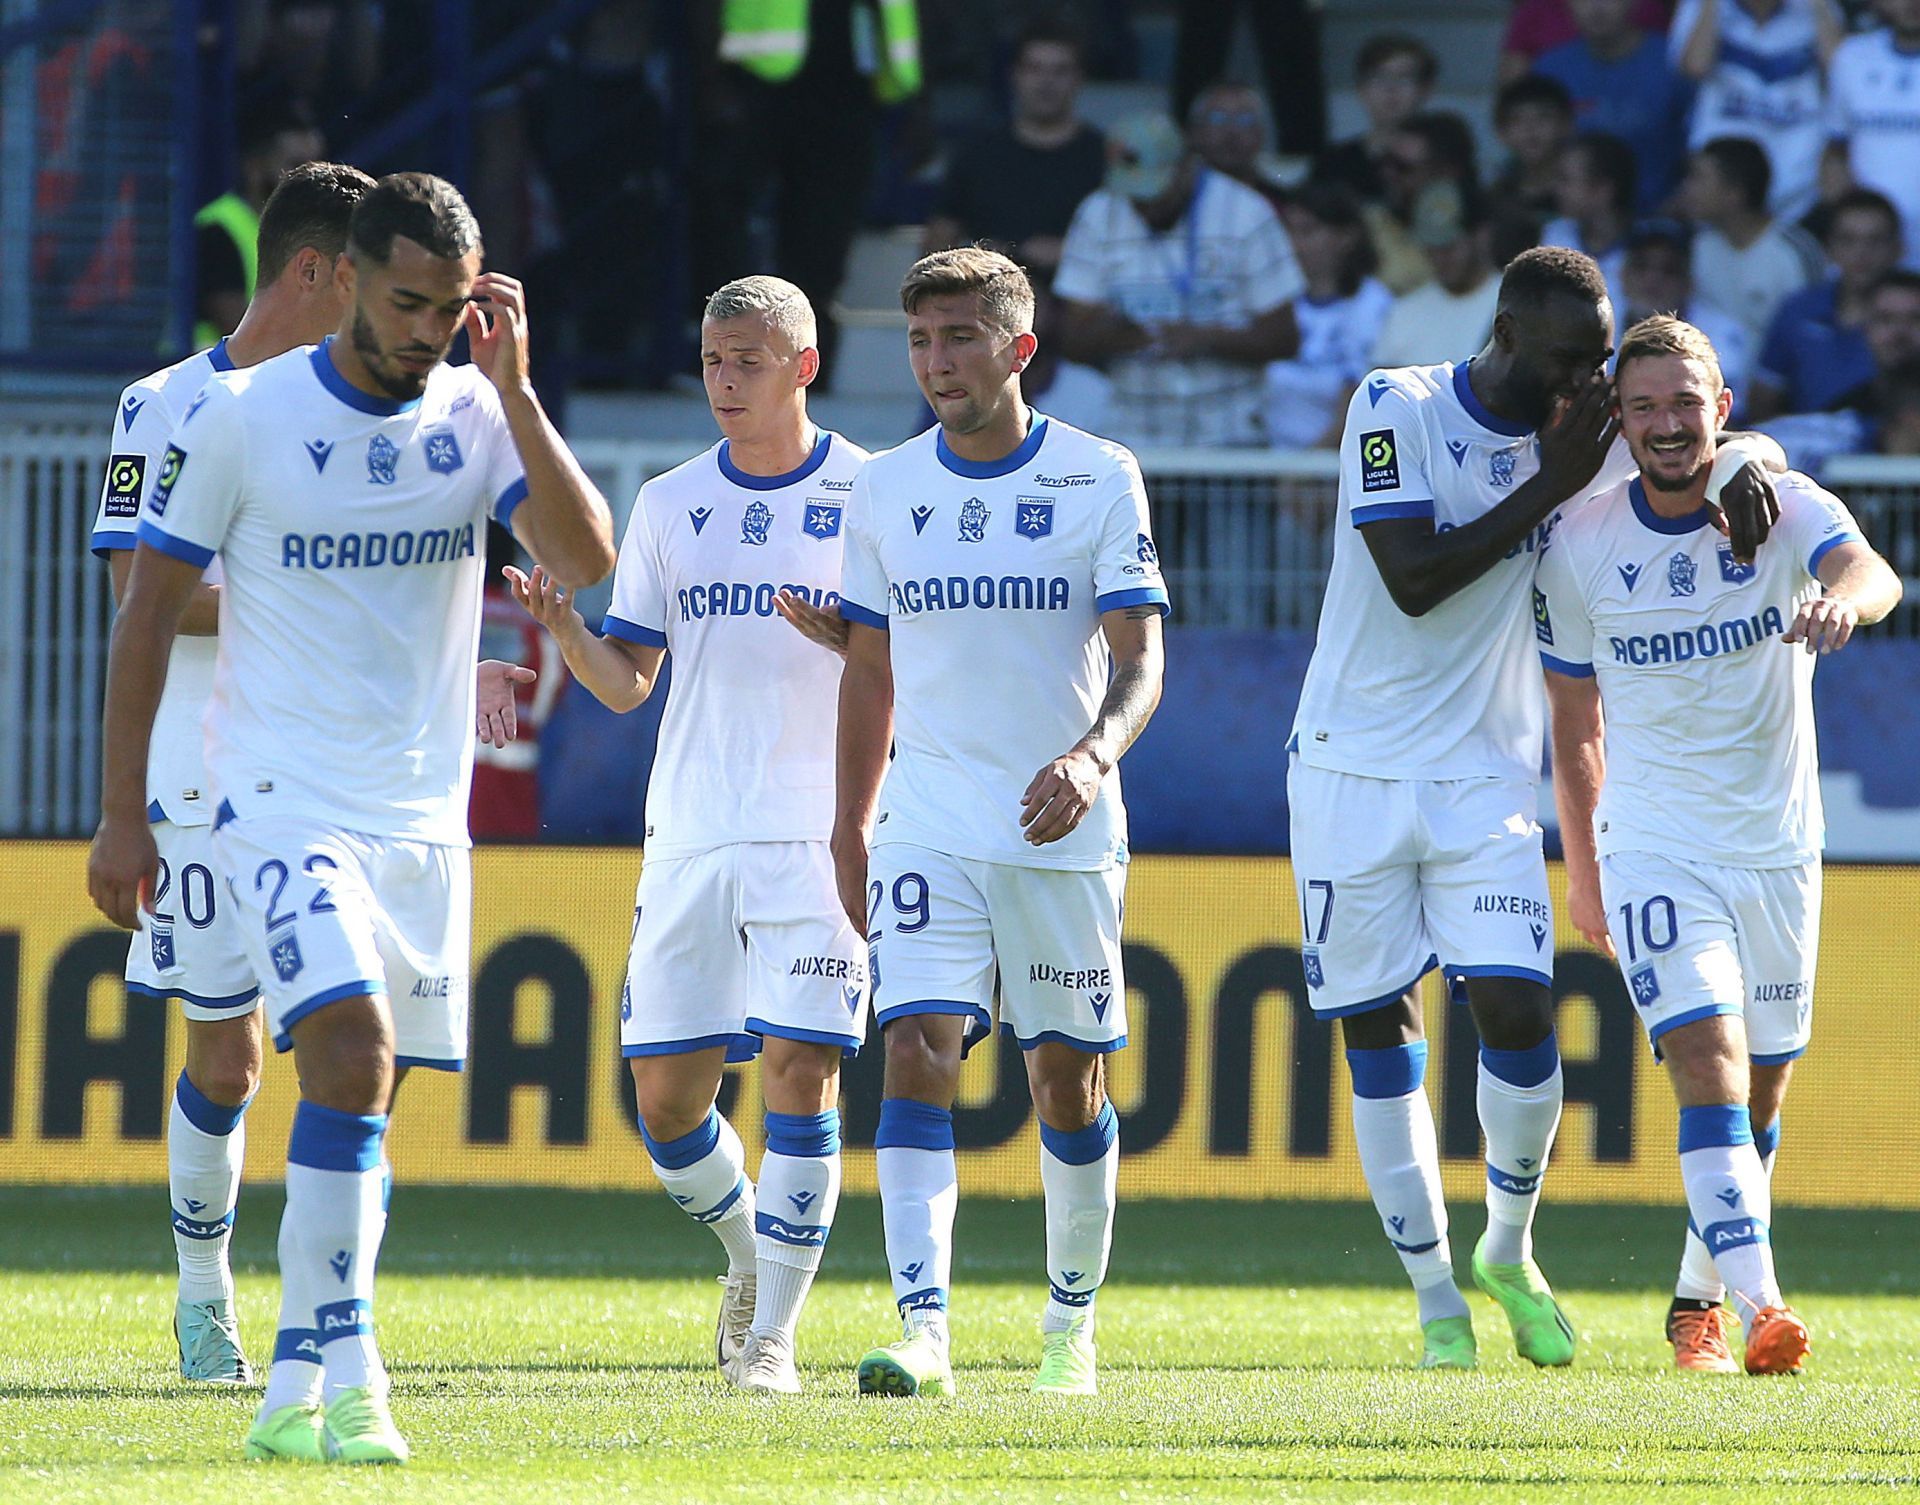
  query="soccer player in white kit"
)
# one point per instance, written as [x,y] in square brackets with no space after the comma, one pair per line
[1415,761]
[740,946]
[1005,598]
[1672,679]
[346,488]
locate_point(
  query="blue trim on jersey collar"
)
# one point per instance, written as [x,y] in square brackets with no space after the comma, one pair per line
[218,357]
[1693,522]
[773,483]
[1478,410]
[986,470]
[347,392]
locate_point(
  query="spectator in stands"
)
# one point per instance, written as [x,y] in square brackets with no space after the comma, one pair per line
[1340,316]
[1751,262]
[1227,129]
[1015,187]
[1656,277]
[1816,347]
[1760,67]
[1449,318]
[1058,387]
[1431,148]
[1853,423]
[1900,420]
[1596,205]
[1621,83]
[1873,102]
[1176,280]
[1393,77]
[322,57]
[1287,36]
[1533,116]
[1536,27]
[226,229]
[503,803]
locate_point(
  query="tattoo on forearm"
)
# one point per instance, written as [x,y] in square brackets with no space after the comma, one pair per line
[1130,700]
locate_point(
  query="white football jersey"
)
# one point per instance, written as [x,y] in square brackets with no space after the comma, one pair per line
[1709,716]
[990,579]
[353,533]
[746,745]
[1454,694]
[1873,104]
[149,411]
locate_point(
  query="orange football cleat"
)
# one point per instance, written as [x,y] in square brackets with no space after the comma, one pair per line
[1699,1339]
[1777,1342]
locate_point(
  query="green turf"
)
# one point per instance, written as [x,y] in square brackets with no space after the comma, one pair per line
[550,1346]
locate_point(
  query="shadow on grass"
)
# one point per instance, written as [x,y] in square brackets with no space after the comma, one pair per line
[627,1235]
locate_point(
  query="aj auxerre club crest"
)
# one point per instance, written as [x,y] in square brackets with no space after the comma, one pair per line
[287,960]
[1500,467]
[1731,570]
[1033,516]
[755,521]
[823,518]
[382,458]
[443,452]
[1682,572]
[973,520]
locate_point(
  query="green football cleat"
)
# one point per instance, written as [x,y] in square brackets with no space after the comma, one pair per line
[1066,1362]
[209,1342]
[295,1434]
[1448,1344]
[1541,1332]
[360,1429]
[916,1365]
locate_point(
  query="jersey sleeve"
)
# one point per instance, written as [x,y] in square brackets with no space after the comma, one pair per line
[196,488]
[140,434]
[1080,276]
[1813,521]
[506,474]
[1126,566]
[1383,455]
[863,582]
[637,612]
[1561,624]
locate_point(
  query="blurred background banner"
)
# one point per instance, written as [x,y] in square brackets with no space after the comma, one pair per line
[1228,1089]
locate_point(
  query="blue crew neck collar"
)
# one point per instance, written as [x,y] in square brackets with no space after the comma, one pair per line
[347,392]
[800,472]
[218,357]
[1693,522]
[1478,410]
[986,470]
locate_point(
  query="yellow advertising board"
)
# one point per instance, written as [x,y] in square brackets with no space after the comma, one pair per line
[1228,1089]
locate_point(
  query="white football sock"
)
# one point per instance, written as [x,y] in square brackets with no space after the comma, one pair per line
[206,1145]
[798,1193]
[919,1193]
[1400,1154]
[1518,1096]
[335,1192]
[296,1374]
[1079,1171]
[1731,1202]
[705,1172]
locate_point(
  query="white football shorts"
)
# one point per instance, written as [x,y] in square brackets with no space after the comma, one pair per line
[190,946]
[942,928]
[327,914]
[1398,876]
[738,943]
[1697,939]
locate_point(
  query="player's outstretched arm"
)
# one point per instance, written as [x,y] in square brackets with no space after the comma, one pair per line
[621,675]
[1579,769]
[863,738]
[1860,589]
[1063,792]
[201,619]
[496,719]
[564,522]
[123,863]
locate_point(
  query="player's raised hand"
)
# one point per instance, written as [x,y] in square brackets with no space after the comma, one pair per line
[122,867]
[1747,510]
[546,601]
[1060,796]
[496,323]
[1575,443]
[1586,908]
[1824,624]
[827,628]
[496,721]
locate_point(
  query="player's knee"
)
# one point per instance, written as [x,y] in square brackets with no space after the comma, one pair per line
[1067,1101]
[800,1077]
[1396,1023]
[344,1054]
[1511,1013]
[223,1062]
[1707,1064]
[920,1064]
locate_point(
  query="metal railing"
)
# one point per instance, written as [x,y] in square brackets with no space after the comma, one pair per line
[1245,536]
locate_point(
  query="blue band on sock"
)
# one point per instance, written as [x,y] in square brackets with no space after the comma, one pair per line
[1083,1146]
[203,1112]
[926,1299]
[909,1125]
[678,1154]
[1393,1072]
[1414,1248]
[188,1227]
[1520,1186]
[329,1140]
[1733,1234]
[1523,1068]
[814,1135]
[1079,1299]
[799,1235]
[344,1319]
[1716,1124]
[725,1205]
[299,1344]
[1767,1140]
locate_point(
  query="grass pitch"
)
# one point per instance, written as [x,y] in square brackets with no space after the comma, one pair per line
[554,1346]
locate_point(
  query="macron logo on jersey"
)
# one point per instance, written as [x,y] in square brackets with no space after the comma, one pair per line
[130,410]
[319,451]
